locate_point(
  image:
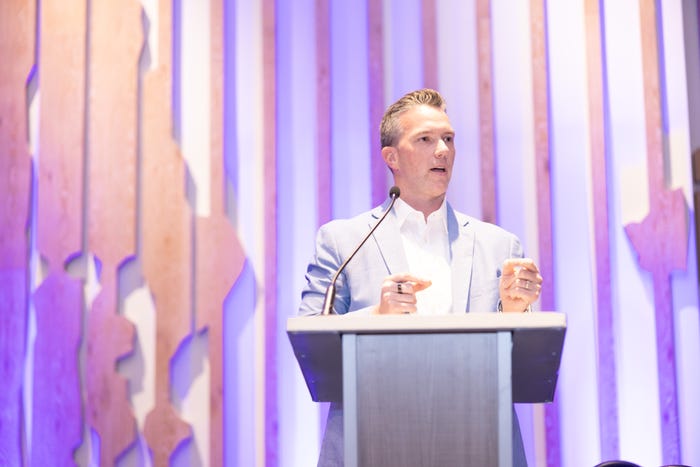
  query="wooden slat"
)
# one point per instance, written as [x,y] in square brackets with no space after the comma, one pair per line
[375,30]
[607,374]
[269,331]
[57,426]
[167,240]
[115,45]
[17,21]
[430,47]
[660,240]
[487,155]
[219,255]
[324,146]
[543,183]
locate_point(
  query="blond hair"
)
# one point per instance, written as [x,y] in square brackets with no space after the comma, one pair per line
[390,128]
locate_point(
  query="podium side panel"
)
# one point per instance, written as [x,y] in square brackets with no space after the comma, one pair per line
[321,361]
[536,358]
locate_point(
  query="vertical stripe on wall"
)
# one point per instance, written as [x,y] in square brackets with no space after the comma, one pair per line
[324,145]
[167,239]
[607,377]
[115,44]
[56,417]
[219,255]
[540,86]
[324,137]
[375,62]
[17,23]
[269,332]
[660,240]
[430,46]
[489,210]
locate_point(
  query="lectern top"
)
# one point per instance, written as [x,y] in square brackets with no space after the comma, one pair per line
[458,322]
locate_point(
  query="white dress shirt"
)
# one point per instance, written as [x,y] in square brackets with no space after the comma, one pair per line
[428,254]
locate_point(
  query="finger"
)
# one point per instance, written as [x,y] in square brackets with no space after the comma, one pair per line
[511,264]
[507,281]
[405,277]
[392,297]
[527,275]
[414,286]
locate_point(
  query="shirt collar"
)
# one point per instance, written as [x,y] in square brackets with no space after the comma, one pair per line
[403,212]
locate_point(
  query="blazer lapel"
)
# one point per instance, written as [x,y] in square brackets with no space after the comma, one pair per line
[388,240]
[461,239]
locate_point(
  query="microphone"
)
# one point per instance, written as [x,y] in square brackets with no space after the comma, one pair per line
[394,194]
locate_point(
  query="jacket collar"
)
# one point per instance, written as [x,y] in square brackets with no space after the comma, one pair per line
[461,240]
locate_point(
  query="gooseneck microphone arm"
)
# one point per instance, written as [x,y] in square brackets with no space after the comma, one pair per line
[394,194]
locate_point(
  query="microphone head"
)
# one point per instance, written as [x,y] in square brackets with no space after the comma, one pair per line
[394,192]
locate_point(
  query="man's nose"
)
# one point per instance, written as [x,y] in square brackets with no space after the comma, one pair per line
[441,150]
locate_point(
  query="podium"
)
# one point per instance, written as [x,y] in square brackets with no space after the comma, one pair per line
[429,390]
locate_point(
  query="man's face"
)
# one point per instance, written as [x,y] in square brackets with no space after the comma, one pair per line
[424,154]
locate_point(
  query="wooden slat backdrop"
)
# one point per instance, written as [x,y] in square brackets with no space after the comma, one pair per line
[110,185]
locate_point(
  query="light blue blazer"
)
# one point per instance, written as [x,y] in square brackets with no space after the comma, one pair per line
[477,252]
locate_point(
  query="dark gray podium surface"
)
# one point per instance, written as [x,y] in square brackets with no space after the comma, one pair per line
[429,390]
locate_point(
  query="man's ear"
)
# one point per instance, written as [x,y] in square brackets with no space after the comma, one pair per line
[391,157]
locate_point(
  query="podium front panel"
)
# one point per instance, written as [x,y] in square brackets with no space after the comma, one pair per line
[427,399]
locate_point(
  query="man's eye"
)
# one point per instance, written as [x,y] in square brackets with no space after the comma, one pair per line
[424,138]
[448,139]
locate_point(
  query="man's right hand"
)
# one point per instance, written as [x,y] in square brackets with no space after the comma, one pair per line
[399,294]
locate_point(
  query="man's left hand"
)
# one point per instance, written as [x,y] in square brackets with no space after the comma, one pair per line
[520,284]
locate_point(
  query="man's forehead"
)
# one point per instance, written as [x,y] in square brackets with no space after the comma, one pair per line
[422,122]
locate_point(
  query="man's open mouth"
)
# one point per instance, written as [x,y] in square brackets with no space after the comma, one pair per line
[438,169]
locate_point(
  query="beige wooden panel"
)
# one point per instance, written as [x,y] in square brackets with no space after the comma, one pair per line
[324,138]
[540,96]
[17,21]
[430,48]
[166,223]
[219,255]
[660,240]
[375,31]
[489,207]
[115,44]
[607,381]
[57,425]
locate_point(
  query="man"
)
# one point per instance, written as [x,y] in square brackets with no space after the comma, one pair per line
[425,257]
